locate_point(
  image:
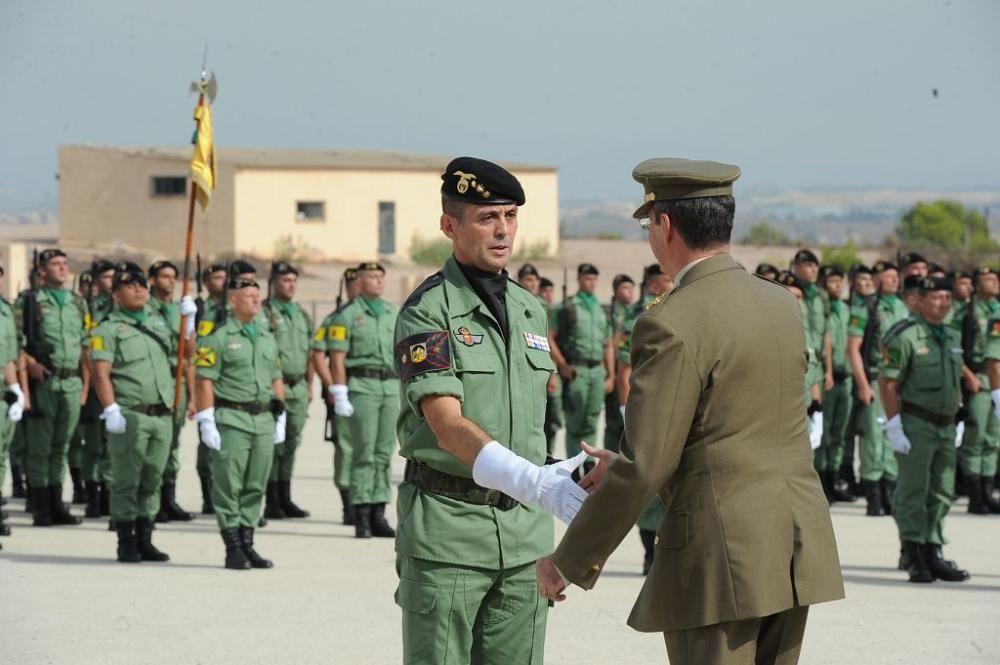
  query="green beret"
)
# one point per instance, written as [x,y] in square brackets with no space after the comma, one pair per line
[670,178]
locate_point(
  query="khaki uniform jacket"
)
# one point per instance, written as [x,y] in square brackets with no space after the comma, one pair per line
[716,425]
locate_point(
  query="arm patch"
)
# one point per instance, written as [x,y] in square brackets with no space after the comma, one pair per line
[423,352]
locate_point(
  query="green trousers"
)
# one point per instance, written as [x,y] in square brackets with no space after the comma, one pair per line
[981,443]
[771,640]
[173,466]
[614,424]
[373,439]
[284,453]
[836,422]
[96,463]
[18,444]
[456,615]
[583,398]
[342,454]
[877,458]
[51,425]
[239,476]
[6,436]
[555,418]
[137,460]
[926,482]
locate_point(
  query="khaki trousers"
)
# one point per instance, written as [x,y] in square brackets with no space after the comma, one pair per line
[771,640]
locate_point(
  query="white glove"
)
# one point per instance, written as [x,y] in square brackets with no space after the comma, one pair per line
[551,486]
[816,430]
[959,433]
[279,428]
[897,438]
[113,419]
[341,404]
[206,427]
[16,410]
[995,394]
[188,309]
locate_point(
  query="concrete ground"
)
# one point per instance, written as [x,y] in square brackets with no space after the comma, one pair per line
[65,601]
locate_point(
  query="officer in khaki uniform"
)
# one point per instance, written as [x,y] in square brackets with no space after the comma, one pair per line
[366,392]
[580,336]
[130,352]
[727,584]
[338,428]
[920,385]
[473,362]
[240,397]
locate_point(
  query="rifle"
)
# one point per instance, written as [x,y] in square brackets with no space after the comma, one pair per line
[566,320]
[220,312]
[198,301]
[970,328]
[340,292]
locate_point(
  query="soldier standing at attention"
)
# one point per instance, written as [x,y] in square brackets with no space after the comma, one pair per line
[322,363]
[366,391]
[241,416]
[59,374]
[914,264]
[545,290]
[838,389]
[805,267]
[130,354]
[580,336]
[920,386]
[292,330]
[988,481]
[214,279]
[618,312]
[960,295]
[474,362]
[14,394]
[527,276]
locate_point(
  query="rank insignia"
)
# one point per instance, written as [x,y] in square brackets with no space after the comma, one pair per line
[537,342]
[204,357]
[466,337]
[234,346]
[337,333]
[423,352]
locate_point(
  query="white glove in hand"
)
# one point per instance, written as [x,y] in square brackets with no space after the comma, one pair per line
[897,438]
[995,394]
[816,430]
[279,428]
[113,419]
[551,486]
[341,404]
[206,427]
[959,434]
[16,410]
[188,309]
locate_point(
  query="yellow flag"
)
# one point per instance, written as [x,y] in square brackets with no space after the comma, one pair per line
[203,161]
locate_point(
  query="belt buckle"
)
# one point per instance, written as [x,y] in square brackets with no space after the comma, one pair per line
[254,409]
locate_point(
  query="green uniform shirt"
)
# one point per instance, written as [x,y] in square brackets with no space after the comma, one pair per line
[170,314]
[207,316]
[956,307]
[588,330]
[62,332]
[985,310]
[99,309]
[364,331]
[926,361]
[242,369]
[836,326]
[8,334]
[890,310]
[140,364]
[292,330]
[815,319]
[448,343]
[993,338]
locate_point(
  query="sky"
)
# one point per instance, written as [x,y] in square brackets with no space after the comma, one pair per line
[818,94]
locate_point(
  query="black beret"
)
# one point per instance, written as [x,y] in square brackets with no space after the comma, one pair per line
[545,283]
[860,269]
[928,284]
[527,269]
[98,266]
[963,275]
[765,268]
[127,272]
[909,258]
[652,270]
[587,269]
[213,268]
[621,279]
[788,279]
[935,267]
[47,255]
[882,266]
[371,265]
[283,268]
[833,271]
[126,266]
[479,182]
[237,283]
[913,283]
[156,267]
[805,256]
[350,274]
[985,270]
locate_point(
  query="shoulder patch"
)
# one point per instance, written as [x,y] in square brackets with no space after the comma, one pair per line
[205,327]
[425,286]
[204,357]
[96,343]
[423,352]
[320,334]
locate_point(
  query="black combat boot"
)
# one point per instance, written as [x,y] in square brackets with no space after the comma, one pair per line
[144,540]
[57,508]
[93,500]
[380,527]
[128,551]
[236,559]
[904,557]
[79,492]
[348,509]
[17,478]
[41,513]
[256,560]
[839,489]
[105,500]
[363,520]
[917,567]
[873,496]
[28,497]
[272,509]
[941,568]
[287,505]
[887,488]
[989,496]
[648,539]
[4,528]
[206,496]
[168,504]
[977,502]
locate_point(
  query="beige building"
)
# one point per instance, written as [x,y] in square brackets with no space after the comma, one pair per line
[344,205]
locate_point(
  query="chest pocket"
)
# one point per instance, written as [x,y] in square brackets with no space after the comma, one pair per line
[364,337]
[131,348]
[237,353]
[927,372]
[485,392]
[542,368]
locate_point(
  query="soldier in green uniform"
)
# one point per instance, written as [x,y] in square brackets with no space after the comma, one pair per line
[130,352]
[51,322]
[912,263]
[989,482]
[767,271]
[210,311]
[546,290]
[528,277]
[580,336]
[14,394]
[241,416]
[921,393]
[867,327]
[978,455]
[619,310]
[838,387]
[960,294]
[474,362]
[365,390]
[555,415]
[162,282]
[813,395]
[339,430]
[292,330]
[805,266]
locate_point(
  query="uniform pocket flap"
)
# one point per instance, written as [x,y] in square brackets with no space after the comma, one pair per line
[673,533]
[540,360]
[476,363]
[419,597]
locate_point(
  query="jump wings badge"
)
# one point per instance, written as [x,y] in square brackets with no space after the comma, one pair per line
[466,337]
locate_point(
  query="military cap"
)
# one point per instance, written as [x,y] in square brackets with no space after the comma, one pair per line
[157,266]
[833,271]
[240,267]
[371,265]
[909,258]
[788,279]
[97,266]
[237,283]
[350,274]
[670,178]
[935,267]
[283,268]
[860,269]
[127,272]
[764,269]
[545,283]
[805,256]
[587,269]
[527,269]
[479,182]
[962,275]
[47,255]
[652,270]
[928,284]
[982,271]
[621,279]
[913,283]
[212,269]
[881,266]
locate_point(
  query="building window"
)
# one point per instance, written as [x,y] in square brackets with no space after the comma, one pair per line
[310,211]
[387,227]
[169,185]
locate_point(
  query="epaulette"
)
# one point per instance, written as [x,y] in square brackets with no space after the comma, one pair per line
[655,301]
[425,286]
[898,327]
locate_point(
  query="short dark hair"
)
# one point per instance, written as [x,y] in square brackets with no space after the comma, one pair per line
[702,223]
[453,207]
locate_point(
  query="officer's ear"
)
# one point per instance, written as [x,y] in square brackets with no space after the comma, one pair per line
[448,224]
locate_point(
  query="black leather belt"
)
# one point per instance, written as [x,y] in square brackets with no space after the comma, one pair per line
[587,363]
[292,380]
[370,373]
[455,487]
[840,377]
[253,408]
[978,368]
[934,418]
[151,409]
[60,373]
